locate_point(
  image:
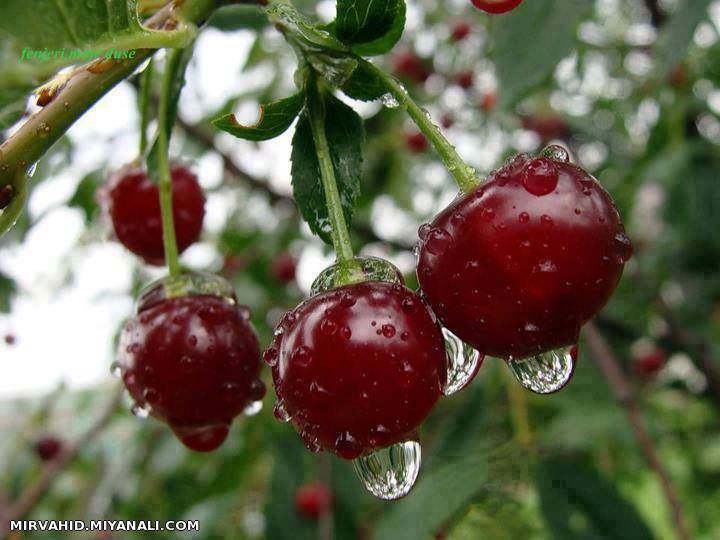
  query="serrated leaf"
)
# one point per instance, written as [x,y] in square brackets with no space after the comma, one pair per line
[284,16]
[521,68]
[364,85]
[389,39]
[580,505]
[275,119]
[677,34]
[66,26]
[345,135]
[362,21]
[335,70]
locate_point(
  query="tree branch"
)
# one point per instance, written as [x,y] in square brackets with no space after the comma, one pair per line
[35,492]
[657,15]
[617,380]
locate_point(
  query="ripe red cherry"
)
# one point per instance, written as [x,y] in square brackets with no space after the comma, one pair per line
[191,361]
[488,101]
[416,142]
[648,360]
[48,447]
[10,339]
[547,127]
[465,79]
[496,6]
[313,500]
[131,202]
[408,66]
[516,267]
[283,268]
[357,368]
[460,31]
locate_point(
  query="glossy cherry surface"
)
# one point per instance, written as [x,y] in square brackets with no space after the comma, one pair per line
[192,361]
[313,500]
[358,367]
[131,203]
[496,6]
[518,265]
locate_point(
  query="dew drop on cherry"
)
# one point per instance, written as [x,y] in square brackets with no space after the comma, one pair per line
[556,153]
[280,412]
[463,363]
[540,176]
[547,372]
[141,411]
[391,472]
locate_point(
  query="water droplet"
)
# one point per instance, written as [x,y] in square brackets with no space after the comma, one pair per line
[115,369]
[280,412]
[43,130]
[345,332]
[253,408]
[390,473]
[141,411]
[463,363]
[347,446]
[524,217]
[187,364]
[488,214]
[389,101]
[31,170]
[438,241]
[348,300]
[192,340]
[301,357]
[388,330]
[546,372]
[556,153]
[328,327]
[540,176]
[257,390]
[546,220]
[423,231]
[408,305]
[271,356]
[623,247]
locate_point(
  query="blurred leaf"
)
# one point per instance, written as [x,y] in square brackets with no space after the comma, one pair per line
[290,21]
[275,119]
[345,136]
[361,21]
[238,17]
[521,68]
[84,196]
[580,505]
[364,85]
[385,43]
[677,34]
[7,290]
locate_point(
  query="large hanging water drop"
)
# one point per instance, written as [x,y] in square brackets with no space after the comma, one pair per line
[463,363]
[546,372]
[390,473]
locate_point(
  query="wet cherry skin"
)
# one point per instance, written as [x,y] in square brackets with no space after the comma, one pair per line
[48,447]
[358,367]
[313,500]
[517,266]
[496,6]
[130,201]
[194,362]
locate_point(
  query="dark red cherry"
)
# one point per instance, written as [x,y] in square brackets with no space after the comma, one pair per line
[465,79]
[357,368]
[10,339]
[416,142]
[191,360]
[283,267]
[460,31]
[313,500]
[547,127]
[48,447]
[408,66]
[130,201]
[496,6]
[516,267]
[648,360]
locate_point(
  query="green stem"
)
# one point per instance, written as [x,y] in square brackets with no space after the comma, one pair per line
[165,182]
[517,397]
[339,230]
[144,104]
[463,173]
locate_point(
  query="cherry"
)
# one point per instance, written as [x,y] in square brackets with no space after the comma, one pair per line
[648,360]
[283,268]
[465,79]
[10,339]
[496,6]
[357,368]
[130,201]
[460,31]
[48,447]
[416,142]
[516,267]
[407,65]
[488,101]
[191,360]
[447,120]
[313,500]
[547,127]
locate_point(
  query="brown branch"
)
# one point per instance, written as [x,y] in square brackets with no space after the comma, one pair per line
[657,15]
[617,380]
[32,495]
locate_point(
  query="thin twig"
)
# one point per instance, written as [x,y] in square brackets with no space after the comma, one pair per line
[35,492]
[617,380]
[657,15]
[325,528]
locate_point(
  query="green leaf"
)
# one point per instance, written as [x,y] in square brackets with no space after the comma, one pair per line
[521,68]
[275,119]
[677,34]
[84,197]
[389,39]
[580,505]
[364,85]
[7,290]
[345,135]
[284,16]
[437,497]
[336,70]
[238,17]
[362,21]
[63,27]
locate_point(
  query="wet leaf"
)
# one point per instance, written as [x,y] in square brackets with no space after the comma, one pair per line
[275,119]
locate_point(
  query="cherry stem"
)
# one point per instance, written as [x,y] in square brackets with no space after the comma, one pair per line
[144,99]
[464,174]
[165,182]
[518,410]
[339,230]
